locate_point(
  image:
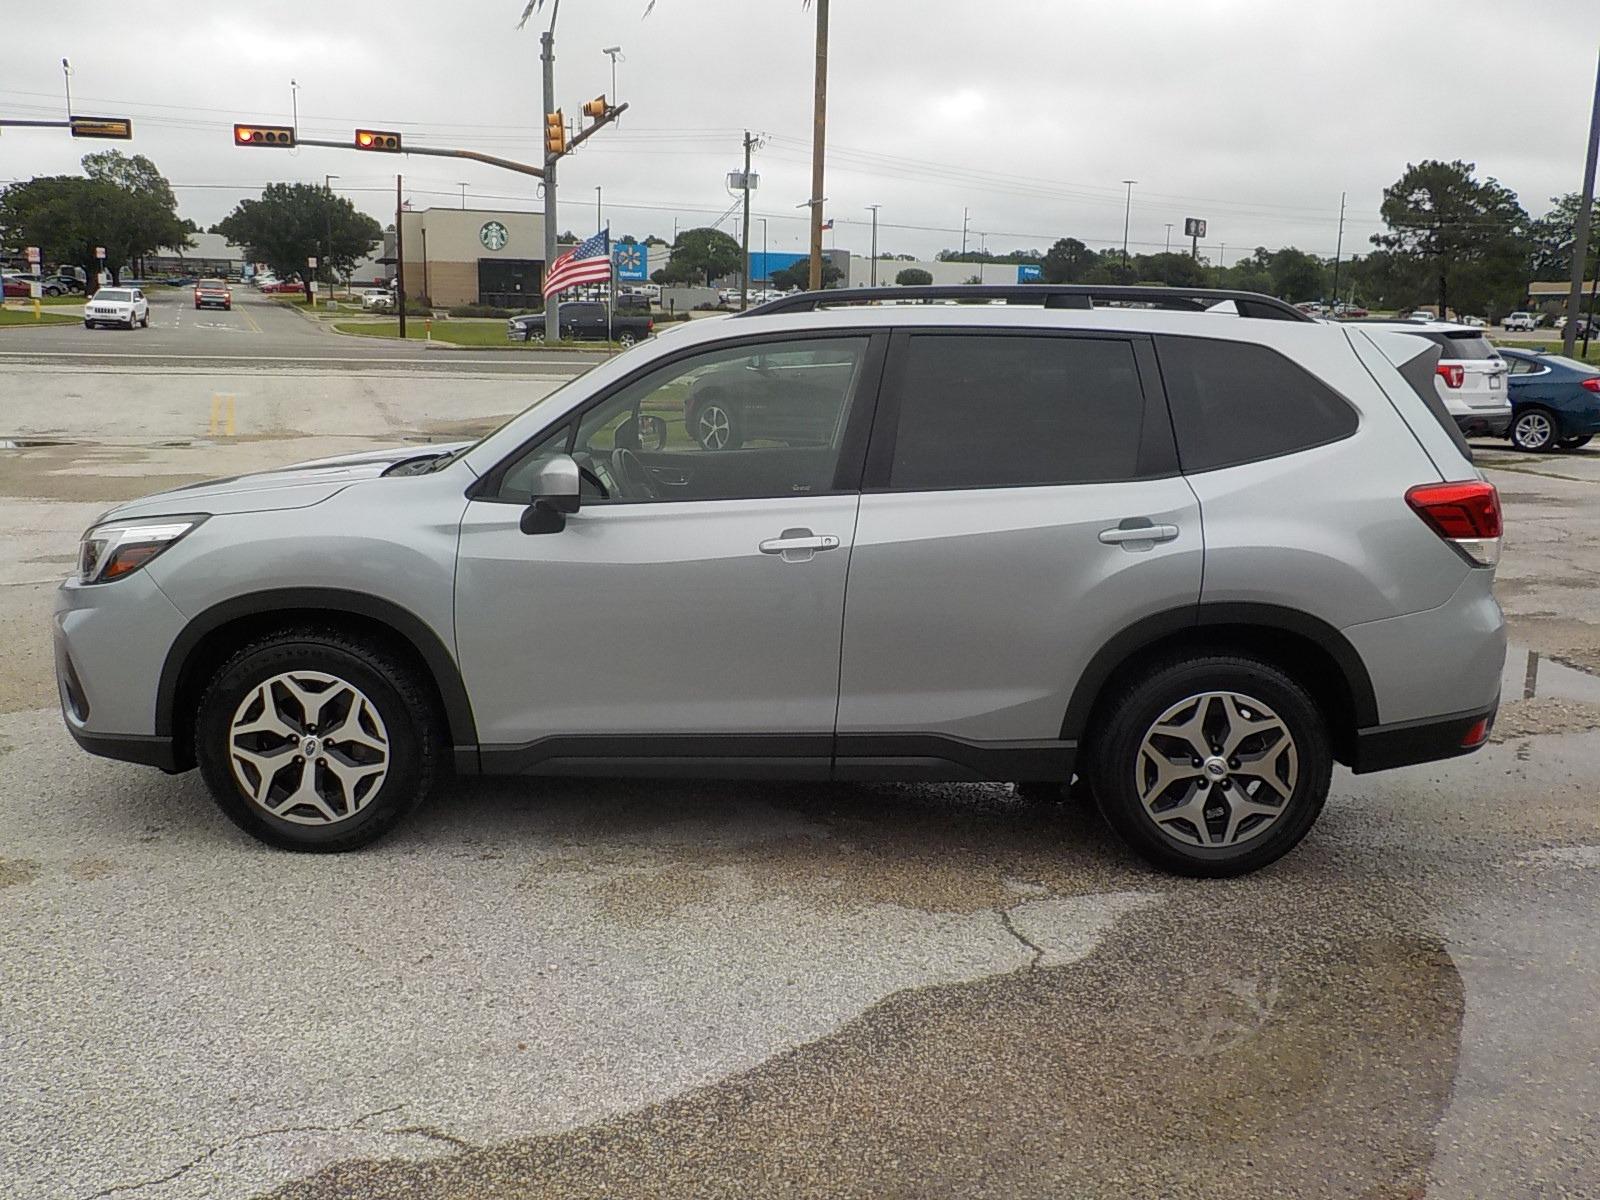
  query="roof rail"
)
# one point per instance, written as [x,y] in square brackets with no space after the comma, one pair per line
[1048,295]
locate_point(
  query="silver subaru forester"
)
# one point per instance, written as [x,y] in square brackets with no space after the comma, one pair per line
[1180,550]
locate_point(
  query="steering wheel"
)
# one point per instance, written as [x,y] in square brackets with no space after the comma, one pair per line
[631,474]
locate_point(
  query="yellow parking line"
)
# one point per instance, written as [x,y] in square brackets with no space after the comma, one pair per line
[223,412]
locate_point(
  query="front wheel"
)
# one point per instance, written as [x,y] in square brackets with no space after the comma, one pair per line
[716,426]
[313,740]
[1534,431]
[1572,443]
[1212,765]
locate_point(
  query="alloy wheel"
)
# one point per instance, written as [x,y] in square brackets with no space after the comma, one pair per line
[308,747]
[715,427]
[1533,431]
[1216,770]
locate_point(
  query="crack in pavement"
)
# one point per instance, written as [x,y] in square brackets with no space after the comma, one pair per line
[1005,922]
[257,1136]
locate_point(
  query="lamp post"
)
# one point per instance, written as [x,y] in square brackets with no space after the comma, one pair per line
[874,208]
[294,102]
[1127,210]
[614,53]
[463,188]
[327,245]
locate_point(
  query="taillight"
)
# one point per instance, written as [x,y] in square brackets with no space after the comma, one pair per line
[1591,384]
[1477,735]
[650,325]
[1467,515]
[1453,375]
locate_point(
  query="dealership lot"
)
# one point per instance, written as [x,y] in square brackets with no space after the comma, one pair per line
[583,987]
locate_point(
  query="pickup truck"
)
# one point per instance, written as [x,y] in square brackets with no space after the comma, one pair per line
[584,320]
[1520,320]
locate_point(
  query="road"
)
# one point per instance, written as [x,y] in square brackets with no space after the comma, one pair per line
[587,988]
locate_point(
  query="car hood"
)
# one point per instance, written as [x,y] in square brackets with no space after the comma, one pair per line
[297,486]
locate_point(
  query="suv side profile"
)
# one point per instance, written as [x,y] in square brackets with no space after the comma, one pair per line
[1189,559]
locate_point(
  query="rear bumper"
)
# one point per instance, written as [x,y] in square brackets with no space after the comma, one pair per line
[1491,424]
[1406,743]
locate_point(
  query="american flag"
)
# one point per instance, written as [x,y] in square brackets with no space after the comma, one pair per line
[588,262]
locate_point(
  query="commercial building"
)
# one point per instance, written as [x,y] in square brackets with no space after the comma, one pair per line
[207,254]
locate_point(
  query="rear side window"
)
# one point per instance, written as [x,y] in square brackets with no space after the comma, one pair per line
[1234,402]
[1462,345]
[982,411]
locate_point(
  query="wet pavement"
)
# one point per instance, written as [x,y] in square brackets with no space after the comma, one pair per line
[591,988]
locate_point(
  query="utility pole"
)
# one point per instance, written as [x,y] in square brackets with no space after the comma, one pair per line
[547,40]
[744,244]
[964,213]
[294,101]
[874,209]
[1338,250]
[1580,239]
[327,245]
[399,258]
[1169,237]
[819,137]
[66,74]
[1127,212]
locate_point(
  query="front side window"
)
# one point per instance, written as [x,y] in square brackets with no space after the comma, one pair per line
[986,411]
[1238,402]
[746,422]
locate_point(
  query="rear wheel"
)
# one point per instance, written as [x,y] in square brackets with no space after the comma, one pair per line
[312,740]
[627,338]
[716,426]
[1213,765]
[1572,443]
[1533,430]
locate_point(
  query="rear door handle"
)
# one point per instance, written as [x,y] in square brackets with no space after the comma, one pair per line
[798,545]
[1147,533]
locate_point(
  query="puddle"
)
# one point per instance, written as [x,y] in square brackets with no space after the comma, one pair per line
[1530,674]
[29,443]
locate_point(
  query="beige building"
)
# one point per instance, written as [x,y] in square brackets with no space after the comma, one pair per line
[473,256]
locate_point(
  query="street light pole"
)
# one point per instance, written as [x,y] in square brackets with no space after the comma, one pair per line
[874,208]
[613,53]
[819,137]
[1580,240]
[327,245]
[1169,237]
[294,101]
[1127,210]
[766,266]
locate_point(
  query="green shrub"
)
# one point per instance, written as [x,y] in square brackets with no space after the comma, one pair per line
[489,310]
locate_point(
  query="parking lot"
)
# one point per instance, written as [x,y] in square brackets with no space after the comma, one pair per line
[585,988]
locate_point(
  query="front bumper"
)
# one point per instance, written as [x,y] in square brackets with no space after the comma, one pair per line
[147,751]
[1405,743]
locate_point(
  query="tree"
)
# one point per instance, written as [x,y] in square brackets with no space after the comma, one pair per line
[798,275]
[1068,261]
[1296,275]
[296,221]
[653,240]
[1467,239]
[914,277]
[123,204]
[1551,236]
[707,253]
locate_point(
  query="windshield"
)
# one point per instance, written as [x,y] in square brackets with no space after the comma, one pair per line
[213,283]
[113,294]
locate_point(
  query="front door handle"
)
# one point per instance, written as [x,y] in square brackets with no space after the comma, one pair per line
[1147,534]
[798,545]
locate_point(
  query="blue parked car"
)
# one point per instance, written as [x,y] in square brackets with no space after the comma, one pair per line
[1555,401]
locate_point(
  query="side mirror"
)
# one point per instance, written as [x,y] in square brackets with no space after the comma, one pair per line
[555,493]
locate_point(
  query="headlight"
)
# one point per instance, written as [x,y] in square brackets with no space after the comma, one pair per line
[119,548]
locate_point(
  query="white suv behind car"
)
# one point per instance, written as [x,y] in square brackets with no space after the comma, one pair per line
[1470,376]
[125,306]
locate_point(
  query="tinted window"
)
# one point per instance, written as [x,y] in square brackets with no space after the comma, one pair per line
[1234,402]
[989,411]
[1461,345]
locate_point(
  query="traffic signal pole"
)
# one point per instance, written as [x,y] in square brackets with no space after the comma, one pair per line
[547,40]
[399,258]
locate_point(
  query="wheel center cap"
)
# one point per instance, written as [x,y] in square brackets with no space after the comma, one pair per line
[311,747]
[1216,768]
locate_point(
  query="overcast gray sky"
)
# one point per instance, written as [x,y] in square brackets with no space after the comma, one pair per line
[1254,114]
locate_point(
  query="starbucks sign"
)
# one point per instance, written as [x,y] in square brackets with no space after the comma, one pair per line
[494,235]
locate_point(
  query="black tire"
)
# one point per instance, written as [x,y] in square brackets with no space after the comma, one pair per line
[144,321]
[716,424]
[396,690]
[88,324]
[627,338]
[1130,714]
[1573,443]
[1534,430]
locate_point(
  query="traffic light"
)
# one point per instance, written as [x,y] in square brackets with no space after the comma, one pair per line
[596,108]
[120,128]
[377,139]
[263,135]
[555,133]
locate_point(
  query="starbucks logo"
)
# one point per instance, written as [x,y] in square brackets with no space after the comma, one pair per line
[494,235]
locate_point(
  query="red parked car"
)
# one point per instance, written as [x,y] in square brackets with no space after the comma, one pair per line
[284,285]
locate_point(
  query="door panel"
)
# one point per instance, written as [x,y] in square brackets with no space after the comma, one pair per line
[972,613]
[653,618]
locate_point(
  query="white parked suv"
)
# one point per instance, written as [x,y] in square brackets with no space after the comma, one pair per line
[125,306]
[1470,375]
[1524,321]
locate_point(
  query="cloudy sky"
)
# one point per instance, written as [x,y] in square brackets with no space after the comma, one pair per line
[1027,114]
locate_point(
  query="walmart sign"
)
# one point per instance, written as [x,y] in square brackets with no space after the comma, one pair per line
[631,261]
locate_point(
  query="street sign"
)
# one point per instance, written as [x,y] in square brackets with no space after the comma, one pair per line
[99,251]
[1194,227]
[1029,272]
[120,128]
[33,255]
[737,179]
[632,262]
[312,261]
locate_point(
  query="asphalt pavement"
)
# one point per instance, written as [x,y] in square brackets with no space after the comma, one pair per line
[592,988]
